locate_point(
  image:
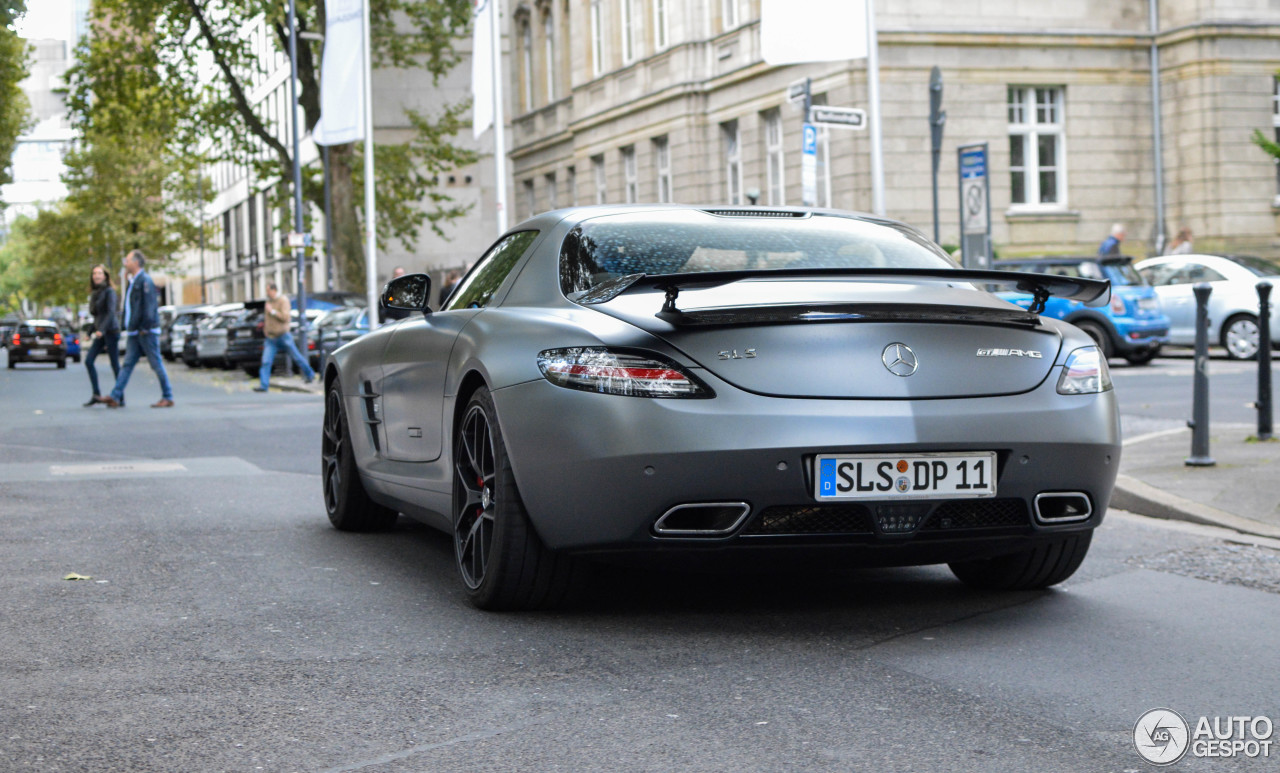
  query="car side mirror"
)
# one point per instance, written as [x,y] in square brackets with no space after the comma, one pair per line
[407,293]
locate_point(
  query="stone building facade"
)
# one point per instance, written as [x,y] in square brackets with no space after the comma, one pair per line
[670,100]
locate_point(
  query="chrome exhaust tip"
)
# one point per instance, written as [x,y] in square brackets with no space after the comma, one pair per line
[702,519]
[1063,507]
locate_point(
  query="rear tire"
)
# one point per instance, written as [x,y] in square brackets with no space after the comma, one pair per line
[1098,335]
[62,364]
[1143,357]
[345,500]
[501,560]
[1240,337]
[1046,564]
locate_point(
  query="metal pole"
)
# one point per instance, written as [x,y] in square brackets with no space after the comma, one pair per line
[1264,361]
[1157,133]
[499,118]
[370,200]
[1200,396]
[328,223]
[298,250]
[204,281]
[937,119]
[873,104]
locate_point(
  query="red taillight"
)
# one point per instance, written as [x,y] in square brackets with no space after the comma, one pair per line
[57,339]
[311,345]
[596,369]
[76,340]
[17,340]
[1117,305]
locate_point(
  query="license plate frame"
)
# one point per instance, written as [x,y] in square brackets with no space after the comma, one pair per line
[976,479]
[36,352]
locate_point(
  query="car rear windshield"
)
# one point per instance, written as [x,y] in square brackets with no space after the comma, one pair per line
[692,241]
[44,330]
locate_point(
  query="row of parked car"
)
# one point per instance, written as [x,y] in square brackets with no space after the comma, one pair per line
[230,335]
[1153,303]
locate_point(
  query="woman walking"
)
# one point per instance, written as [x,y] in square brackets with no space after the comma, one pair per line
[106,326]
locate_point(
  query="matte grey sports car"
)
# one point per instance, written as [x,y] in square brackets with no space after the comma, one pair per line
[668,378]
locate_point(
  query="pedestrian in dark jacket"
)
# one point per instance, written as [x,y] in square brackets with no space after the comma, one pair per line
[106,327]
[142,329]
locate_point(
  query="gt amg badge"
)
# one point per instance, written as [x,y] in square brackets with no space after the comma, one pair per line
[733,354]
[1033,354]
[899,359]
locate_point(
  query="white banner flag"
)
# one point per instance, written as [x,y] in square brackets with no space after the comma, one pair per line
[342,75]
[482,68]
[798,31]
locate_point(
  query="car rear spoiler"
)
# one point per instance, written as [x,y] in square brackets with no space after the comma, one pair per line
[1090,292]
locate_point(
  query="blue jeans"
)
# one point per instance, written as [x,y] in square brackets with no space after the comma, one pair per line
[142,344]
[269,346]
[109,343]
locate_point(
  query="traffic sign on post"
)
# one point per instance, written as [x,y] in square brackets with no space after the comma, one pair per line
[299,239]
[975,206]
[797,90]
[809,166]
[838,117]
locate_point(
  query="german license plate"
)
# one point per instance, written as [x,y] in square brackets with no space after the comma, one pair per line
[1148,304]
[912,476]
[35,352]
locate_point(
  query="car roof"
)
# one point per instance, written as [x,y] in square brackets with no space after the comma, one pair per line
[47,322]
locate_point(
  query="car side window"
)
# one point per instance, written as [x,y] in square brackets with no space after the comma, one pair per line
[478,287]
[1201,273]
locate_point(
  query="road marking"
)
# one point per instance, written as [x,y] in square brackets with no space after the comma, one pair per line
[110,468]
[1153,436]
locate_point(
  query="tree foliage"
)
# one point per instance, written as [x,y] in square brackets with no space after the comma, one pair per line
[14,115]
[214,65]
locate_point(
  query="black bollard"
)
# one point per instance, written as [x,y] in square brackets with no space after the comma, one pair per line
[1264,361]
[1200,401]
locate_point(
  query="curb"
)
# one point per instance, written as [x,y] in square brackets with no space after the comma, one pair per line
[1137,497]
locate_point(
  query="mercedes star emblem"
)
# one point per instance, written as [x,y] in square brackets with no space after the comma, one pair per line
[899,359]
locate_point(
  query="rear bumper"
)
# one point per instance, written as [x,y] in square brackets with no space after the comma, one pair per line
[621,463]
[23,354]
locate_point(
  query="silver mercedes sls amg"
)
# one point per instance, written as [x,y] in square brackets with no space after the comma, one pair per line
[670,378]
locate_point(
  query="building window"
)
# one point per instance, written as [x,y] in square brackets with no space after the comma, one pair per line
[631,188]
[530,202]
[628,32]
[597,167]
[1035,146]
[732,162]
[549,52]
[268,228]
[553,200]
[661,32]
[597,37]
[824,159]
[228,243]
[526,59]
[728,14]
[571,182]
[662,156]
[774,177]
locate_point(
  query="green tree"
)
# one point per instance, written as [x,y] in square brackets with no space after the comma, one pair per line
[14,276]
[14,116]
[195,37]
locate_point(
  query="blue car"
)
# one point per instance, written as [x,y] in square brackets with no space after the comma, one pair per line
[71,339]
[1132,326]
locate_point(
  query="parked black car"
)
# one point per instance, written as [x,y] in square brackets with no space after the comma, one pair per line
[37,340]
[332,330]
[7,326]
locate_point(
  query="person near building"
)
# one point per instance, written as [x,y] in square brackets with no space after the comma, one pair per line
[1111,244]
[142,329]
[1181,244]
[105,329]
[450,282]
[276,333]
[397,272]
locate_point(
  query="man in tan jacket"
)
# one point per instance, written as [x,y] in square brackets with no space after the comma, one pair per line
[276,335]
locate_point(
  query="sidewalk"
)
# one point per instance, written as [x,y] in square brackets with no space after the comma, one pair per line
[1240,492]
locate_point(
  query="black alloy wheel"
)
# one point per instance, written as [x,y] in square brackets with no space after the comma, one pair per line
[1099,336]
[502,561]
[1045,564]
[475,478]
[345,499]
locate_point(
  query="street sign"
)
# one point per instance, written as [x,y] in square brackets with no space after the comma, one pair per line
[975,206]
[809,166]
[299,240]
[797,90]
[838,117]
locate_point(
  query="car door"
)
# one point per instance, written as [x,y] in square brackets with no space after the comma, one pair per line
[1173,285]
[415,362]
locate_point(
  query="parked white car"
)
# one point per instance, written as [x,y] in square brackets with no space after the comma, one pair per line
[1233,305]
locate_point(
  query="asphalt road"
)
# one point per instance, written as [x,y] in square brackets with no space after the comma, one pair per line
[226,626]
